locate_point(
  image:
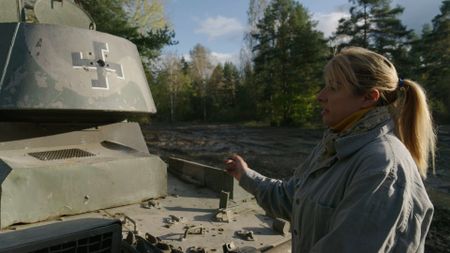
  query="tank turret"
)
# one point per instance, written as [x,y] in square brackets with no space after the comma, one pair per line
[55,67]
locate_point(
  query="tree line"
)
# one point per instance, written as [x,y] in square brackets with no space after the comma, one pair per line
[281,66]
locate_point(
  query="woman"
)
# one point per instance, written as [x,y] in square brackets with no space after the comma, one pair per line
[360,189]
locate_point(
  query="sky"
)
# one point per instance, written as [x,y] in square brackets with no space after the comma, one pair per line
[219,25]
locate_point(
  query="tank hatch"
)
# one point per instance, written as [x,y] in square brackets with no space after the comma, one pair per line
[63,13]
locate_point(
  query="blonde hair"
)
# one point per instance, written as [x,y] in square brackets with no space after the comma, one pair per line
[364,70]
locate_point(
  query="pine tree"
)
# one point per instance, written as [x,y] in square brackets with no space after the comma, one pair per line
[434,50]
[289,58]
[222,86]
[215,99]
[375,25]
[231,82]
[255,13]
[247,95]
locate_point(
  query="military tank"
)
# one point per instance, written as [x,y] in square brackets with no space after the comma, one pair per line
[75,171]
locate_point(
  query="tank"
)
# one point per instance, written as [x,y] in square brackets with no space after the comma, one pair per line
[75,171]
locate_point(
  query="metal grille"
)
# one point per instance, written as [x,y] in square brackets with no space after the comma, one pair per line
[61,154]
[96,244]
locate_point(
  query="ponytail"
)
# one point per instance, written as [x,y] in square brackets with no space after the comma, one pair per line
[414,124]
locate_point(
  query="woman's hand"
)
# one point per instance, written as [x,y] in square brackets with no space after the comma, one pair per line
[236,166]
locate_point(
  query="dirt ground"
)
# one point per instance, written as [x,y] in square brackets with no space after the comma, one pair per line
[276,152]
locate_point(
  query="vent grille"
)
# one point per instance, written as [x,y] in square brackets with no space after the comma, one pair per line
[95,244]
[89,235]
[60,154]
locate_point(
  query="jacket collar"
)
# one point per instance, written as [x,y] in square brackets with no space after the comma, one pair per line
[347,145]
[374,123]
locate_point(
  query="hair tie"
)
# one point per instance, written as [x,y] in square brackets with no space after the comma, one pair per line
[401,82]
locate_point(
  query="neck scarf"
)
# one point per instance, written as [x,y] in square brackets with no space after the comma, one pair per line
[366,122]
[349,121]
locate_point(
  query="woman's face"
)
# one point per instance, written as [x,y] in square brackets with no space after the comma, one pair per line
[338,102]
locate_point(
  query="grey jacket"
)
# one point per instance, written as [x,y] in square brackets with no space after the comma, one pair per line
[366,195]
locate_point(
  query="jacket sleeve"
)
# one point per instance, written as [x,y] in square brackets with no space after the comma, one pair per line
[274,196]
[379,213]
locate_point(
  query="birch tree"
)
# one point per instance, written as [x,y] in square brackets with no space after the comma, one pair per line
[200,69]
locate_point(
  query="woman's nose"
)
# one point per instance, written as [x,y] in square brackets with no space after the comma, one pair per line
[321,96]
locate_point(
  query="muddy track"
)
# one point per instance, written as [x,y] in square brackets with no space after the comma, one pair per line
[276,152]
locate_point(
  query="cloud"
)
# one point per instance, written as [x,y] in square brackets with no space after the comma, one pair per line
[415,15]
[217,58]
[216,27]
[328,22]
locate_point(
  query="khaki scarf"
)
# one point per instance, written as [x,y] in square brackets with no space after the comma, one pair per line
[365,122]
[350,120]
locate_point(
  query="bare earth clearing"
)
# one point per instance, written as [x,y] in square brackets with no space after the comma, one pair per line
[275,152]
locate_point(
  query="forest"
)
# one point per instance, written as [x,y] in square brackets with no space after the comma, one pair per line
[281,65]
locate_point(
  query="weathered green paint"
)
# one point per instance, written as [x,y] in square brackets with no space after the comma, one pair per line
[208,176]
[62,13]
[77,185]
[10,11]
[42,74]
[120,172]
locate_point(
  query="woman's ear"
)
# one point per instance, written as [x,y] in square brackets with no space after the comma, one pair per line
[371,98]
